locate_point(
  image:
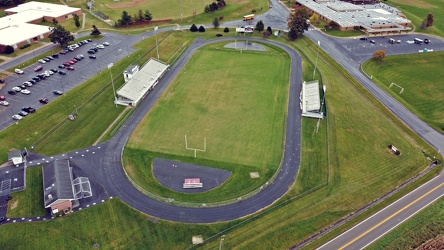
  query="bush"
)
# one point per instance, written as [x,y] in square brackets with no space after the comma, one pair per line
[201,29]
[219,35]
[226,30]
[327,26]
[193,28]
[221,17]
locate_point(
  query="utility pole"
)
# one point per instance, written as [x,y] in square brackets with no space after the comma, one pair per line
[112,82]
[317,56]
[157,46]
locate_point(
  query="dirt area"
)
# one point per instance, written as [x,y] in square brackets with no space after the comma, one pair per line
[436,243]
[127,4]
[14,204]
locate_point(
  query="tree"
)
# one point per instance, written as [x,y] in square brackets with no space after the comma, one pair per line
[260,26]
[95,31]
[215,6]
[140,16]
[207,9]
[423,24]
[297,23]
[334,25]
[226,30]
[9,49]
[60,35]
[269,30]
[76,20]
[148,15]
[201,29]
[314,18]
[54,22]
[430,20]
[379,55]
[216,22]
[193,28]
[126,19]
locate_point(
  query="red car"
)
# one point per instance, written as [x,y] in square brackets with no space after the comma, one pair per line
[2,98]
[62,52]
[38,68]
[70,68]
[74,60]
[43,100]
[66,64]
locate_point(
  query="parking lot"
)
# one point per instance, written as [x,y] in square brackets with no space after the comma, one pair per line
[82,70]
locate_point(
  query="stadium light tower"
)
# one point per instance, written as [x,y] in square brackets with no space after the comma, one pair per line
[157,46]
[112,82]
[317,56]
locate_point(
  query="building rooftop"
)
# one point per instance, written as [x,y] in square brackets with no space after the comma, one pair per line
[57,182]
[310,97]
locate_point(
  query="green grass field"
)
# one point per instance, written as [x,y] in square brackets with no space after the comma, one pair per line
[28,202]
[417,11]
[241,114]
[424,226]
[421,79]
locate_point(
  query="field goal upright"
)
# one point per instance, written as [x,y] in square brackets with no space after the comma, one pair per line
[196,149]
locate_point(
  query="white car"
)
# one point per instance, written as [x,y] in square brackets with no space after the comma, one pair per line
[28,84]
[17,89]
[106,43]
[100,46]
[17,117]
[48,73]
[42,61]
[410,42]
[19,71]
[25,91]
[4,103]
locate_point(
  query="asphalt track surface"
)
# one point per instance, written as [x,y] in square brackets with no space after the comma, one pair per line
[105,165]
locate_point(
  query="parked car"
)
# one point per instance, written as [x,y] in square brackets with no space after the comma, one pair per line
[25,91]
[363,38]
[62,52]
[36,79]
[106,43]
[2,98]
[100,46]
[50,57]
[46,59]
[95,49]
[66,64]
[70,68]
[54,70]
[92,57]
[81,56]
[32,81]
[372,41]
[42,61]
[57,92]
[74,60]
[11,92]
[43,100]
[55,55]
[27,84]
[23,113]
[89,40]
[29,109]
[61,66]
[61,72]
[17,117]
[19,71]
[90,52]
[17,89]
[426,41]
[2,80]
[38,68]
[4,103]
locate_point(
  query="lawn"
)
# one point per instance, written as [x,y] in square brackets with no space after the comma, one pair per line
[424,226]
[421,79]
[359,129]
[28,202]
[417,10]
[240,114]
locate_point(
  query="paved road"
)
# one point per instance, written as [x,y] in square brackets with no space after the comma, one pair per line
[376,226]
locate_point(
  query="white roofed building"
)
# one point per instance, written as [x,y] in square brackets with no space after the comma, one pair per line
[20,27]
[140,82]
[310,100]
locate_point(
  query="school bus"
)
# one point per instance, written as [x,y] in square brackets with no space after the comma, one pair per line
[248,17]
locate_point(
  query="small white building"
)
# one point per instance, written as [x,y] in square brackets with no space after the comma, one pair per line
[310,100]
[140,82]
[16,157]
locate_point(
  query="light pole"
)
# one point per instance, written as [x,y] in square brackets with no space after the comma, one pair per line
[157,46]
[324,88]
[63,89]
[112,82]
[317,56]
[221,241]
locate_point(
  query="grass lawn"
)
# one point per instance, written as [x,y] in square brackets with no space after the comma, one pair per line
[421,79]
[359,129]
[240,113]
[417,10]
[28,202]
[424,226]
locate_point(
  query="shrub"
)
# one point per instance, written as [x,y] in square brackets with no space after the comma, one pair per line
[219,35]
[226,30]
[327,26]
[221,17]
[201,29]
[193,28]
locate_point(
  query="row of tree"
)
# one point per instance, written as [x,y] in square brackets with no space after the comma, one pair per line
[214,6]
[126,19]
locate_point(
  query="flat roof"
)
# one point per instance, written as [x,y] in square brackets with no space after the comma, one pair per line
[142,81]
[20,32]
[46,9]
[311,100]
[349,15]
